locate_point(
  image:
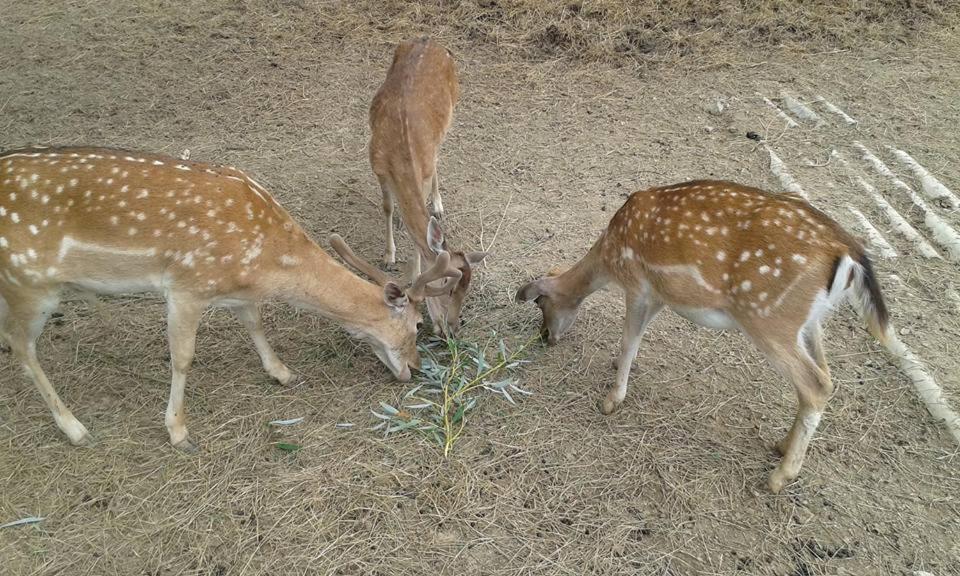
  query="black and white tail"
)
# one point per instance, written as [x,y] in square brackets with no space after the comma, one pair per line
[864,292]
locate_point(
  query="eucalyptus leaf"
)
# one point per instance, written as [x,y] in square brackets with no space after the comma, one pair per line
[418,406]
[289,422]
[389,409]
[516,388]
[405,425]
[23,521]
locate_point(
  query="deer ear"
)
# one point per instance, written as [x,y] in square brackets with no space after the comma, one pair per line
[435,235]
[475,257]
[531,290]
[394,296]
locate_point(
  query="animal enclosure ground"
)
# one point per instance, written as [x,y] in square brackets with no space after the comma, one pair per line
[542,151]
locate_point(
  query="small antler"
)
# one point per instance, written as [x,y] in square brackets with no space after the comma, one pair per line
[357,262]
[440,269]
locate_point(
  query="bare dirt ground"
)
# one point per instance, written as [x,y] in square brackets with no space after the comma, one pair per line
[542,152]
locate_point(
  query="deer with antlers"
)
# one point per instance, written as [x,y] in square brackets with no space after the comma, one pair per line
[726,256]
[109,221]
[409,117]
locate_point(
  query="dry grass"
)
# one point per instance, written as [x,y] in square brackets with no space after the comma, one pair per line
[625,32]
[543,149]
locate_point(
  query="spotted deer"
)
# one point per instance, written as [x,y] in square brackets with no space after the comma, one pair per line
[109,221]
[725,256]
[409,118]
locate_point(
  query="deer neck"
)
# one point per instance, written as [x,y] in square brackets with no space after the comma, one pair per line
[585,277]
[322,285]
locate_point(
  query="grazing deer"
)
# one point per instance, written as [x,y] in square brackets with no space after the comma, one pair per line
[109,221]
[729,257]
[409,117]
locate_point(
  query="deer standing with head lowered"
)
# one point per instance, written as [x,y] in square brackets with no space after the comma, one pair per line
[409,118]
[729,257]
[108,221]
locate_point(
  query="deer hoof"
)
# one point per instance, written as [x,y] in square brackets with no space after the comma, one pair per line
[86,440]
[187,446]
[778,480]
[285,377]
[608,406]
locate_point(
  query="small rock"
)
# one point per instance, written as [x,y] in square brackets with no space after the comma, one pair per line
[716,107]
[708,129]
[904,331]
[754,136]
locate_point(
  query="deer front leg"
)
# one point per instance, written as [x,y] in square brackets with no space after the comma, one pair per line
[183,318]
[21,324]
[249,316]
[436,204]
[640,310]
[390,252]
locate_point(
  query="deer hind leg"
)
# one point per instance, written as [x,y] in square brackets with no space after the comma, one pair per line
[183,319]
[249,316]
[813,387]
[813,338]
[390,252]
[813,343]
[640,310]
[23,322]
[436,203]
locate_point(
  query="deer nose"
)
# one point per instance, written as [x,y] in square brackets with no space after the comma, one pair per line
[404,375]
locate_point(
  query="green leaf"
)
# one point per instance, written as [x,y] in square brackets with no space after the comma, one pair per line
[458,415]
[389,409]
[398,427]
[288,447]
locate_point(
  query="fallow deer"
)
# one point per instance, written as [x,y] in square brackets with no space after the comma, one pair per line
[726,256]
[109,221]
[409,118]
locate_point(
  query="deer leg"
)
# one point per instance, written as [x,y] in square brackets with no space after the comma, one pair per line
[22,324]
[183,319]
[813,342]
[436,204]
[249,316]
[813,388]
[640,310]
[390,252]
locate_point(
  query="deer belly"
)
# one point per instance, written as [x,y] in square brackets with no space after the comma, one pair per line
[107,269]
[708,317]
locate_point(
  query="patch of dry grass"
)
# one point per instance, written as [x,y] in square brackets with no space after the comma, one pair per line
[624,32]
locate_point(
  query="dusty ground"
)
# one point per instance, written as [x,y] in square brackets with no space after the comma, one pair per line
[541,154]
